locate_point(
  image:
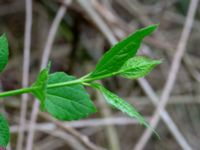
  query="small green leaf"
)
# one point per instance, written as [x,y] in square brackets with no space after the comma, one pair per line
[137,67]
[3,52]
[41,86]
[113,60]
[4,132]
[69,102]
[122,105]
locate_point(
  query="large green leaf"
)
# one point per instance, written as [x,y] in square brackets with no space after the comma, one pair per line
[69,102]
[3,52]
[113,60]
[41,86]
[137,67]
[4,132]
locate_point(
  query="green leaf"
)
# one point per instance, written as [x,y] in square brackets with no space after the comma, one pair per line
[113,60]
[69,102]
[137,67]
[41,86]
[4,132]
[3,52]
[122,105]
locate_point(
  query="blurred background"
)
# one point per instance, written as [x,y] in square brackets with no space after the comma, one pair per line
[74,35]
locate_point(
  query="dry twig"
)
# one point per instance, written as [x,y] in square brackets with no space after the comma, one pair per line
[45,59]
[98,122]
[25,76]
[172,75]
[68,129]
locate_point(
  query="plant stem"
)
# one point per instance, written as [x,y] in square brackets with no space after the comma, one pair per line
[84,79]
[17,92]
[61,84]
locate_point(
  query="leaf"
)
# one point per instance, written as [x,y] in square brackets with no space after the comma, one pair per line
[41,86]
[4,132]
[113,60]
[137,67]
[3,52]
[122,105]
[69,102]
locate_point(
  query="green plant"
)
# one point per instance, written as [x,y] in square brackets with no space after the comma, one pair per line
[64,96]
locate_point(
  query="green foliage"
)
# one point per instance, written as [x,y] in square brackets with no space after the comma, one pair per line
[3,52]
[119,103]
[4,127]
[4,132]
[69,102]
[122,105]
[64,97]
[40,86]
[137,67]
[114,59]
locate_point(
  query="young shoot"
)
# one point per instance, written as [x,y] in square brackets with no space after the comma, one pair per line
[64,96]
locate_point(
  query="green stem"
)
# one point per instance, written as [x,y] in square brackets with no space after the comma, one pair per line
[85,79]
[17,92]
[67,83]
[82,80]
